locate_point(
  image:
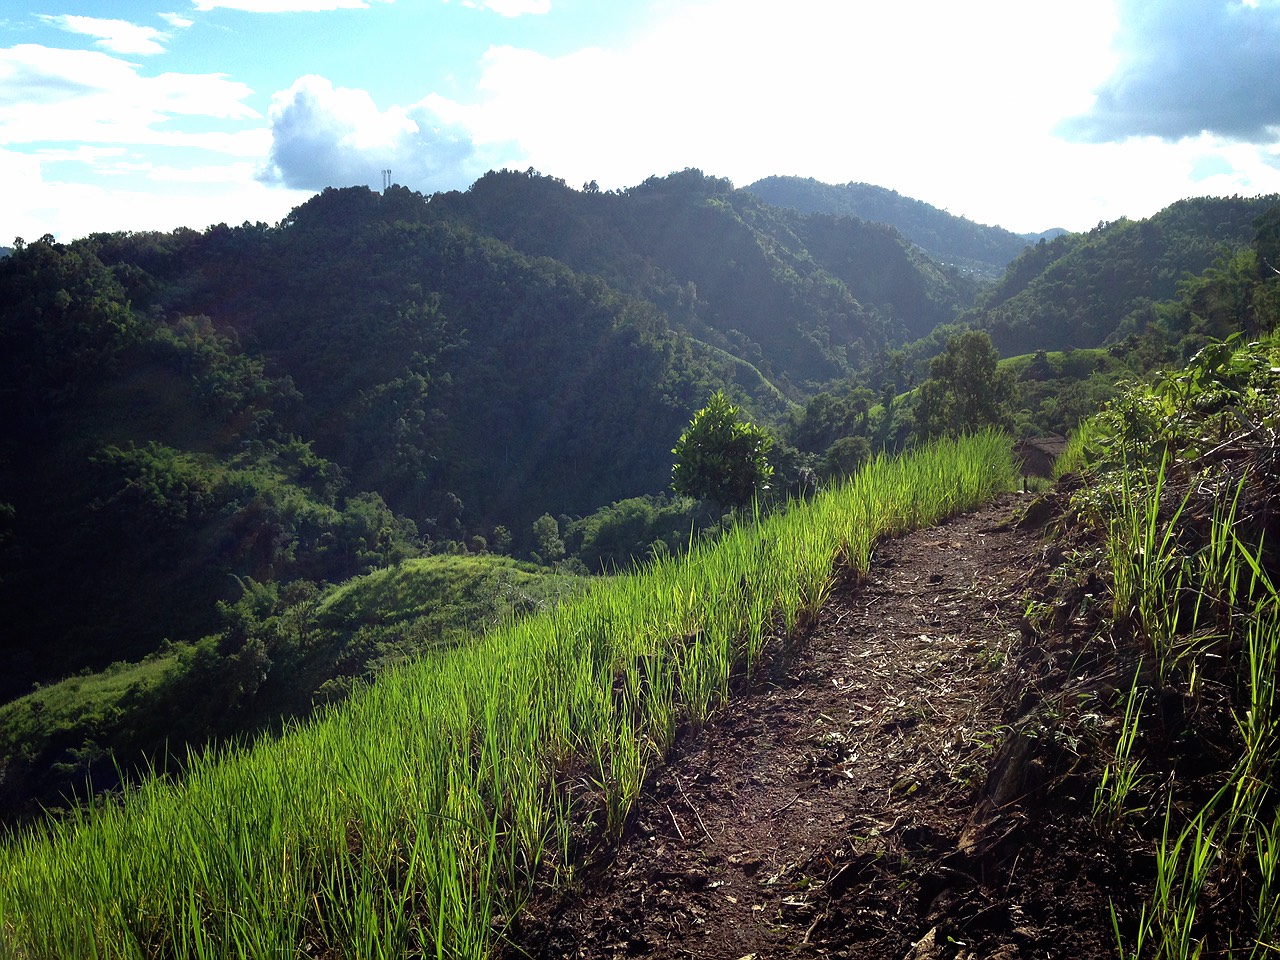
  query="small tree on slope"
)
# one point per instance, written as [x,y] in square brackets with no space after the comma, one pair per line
[720,457]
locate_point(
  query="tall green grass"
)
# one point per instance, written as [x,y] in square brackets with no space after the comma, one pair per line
[414,819]
[1202,606]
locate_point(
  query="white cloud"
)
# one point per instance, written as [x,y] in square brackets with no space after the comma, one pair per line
[744,89]
[955,104]
[21,176]
[80,153]
[131,192]
[117,36]
[511,8]
[280,6]
[83,110]
[161,198]
[206,174]
[60,96]
[333,136]
[69,209]
[177,20]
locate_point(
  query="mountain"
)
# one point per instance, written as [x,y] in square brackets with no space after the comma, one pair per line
[146,468]
[382,375]
[803,301]
[955,241]
[1087,289]
[184,410]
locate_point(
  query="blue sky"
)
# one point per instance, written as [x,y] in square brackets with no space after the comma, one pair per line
[154,114]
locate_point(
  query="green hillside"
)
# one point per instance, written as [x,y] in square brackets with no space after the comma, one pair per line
[386,374]
[948,239]
[1084,290]
[803,303]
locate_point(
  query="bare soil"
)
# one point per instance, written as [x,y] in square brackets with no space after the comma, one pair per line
[879,793]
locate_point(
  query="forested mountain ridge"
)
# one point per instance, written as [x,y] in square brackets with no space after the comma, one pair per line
[982,250]
[804,299]
[1087,289]
[145,466]
[439,364]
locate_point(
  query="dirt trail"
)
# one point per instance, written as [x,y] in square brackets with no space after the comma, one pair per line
[844,808]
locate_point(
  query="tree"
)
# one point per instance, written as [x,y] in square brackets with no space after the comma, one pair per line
[721,457]
[845,457]
[546,534]
[965,391]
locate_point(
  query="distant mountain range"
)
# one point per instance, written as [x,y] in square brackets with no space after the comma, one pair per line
[803,299]
[950,240]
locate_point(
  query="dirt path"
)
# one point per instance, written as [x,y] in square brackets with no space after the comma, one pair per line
[834,812]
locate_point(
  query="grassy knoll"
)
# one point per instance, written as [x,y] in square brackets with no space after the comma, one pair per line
[412,819]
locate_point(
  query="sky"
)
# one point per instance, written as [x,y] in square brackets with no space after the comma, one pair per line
[1030,114]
